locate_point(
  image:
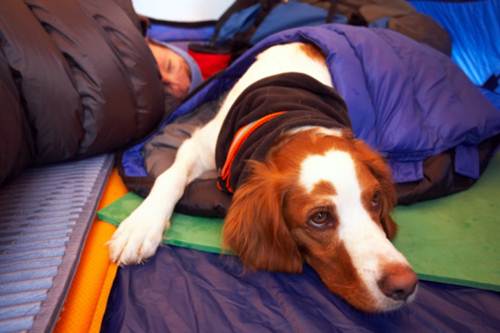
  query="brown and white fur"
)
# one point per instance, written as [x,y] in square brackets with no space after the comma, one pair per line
[321,197]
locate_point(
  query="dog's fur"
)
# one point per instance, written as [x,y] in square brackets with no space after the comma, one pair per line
[321,196]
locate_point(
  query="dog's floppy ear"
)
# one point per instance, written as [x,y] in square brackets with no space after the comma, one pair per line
[381,170]
[254,227]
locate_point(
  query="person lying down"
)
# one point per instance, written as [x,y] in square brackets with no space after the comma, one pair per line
[179,72]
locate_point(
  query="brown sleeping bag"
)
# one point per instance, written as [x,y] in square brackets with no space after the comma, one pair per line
[76,79]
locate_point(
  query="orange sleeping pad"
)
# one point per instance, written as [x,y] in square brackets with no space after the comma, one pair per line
[88,295]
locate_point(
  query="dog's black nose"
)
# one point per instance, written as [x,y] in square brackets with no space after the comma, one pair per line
[398,282]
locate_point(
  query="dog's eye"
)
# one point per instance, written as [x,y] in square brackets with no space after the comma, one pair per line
[320,219]
[376,200]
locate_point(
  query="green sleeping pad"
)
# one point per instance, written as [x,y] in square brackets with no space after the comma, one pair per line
[455,239]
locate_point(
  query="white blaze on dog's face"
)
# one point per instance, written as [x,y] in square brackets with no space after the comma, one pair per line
[332,196]
[346,208]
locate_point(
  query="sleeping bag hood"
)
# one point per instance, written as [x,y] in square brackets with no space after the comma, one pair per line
[406,100]
[76,79]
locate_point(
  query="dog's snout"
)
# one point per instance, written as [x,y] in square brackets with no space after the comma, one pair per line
[398,282]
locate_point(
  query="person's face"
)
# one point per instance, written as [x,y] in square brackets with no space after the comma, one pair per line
[174,70]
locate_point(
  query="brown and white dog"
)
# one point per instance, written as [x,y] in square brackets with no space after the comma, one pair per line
[320,196]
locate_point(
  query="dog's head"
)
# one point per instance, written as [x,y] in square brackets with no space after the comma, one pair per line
[323,197]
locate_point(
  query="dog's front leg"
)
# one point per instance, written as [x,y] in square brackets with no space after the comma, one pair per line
[138,236]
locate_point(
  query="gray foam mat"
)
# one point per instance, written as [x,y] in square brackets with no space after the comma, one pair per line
[45,215]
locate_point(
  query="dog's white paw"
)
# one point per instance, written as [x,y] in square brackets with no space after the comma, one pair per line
[137,237]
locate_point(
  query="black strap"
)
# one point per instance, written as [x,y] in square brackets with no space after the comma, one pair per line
[492,82]
[331,11]
[235,7]
[242,39]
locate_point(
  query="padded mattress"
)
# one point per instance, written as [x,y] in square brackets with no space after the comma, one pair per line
[183,290]
[45,215]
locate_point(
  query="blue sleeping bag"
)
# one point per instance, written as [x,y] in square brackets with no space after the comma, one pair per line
[405,99]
